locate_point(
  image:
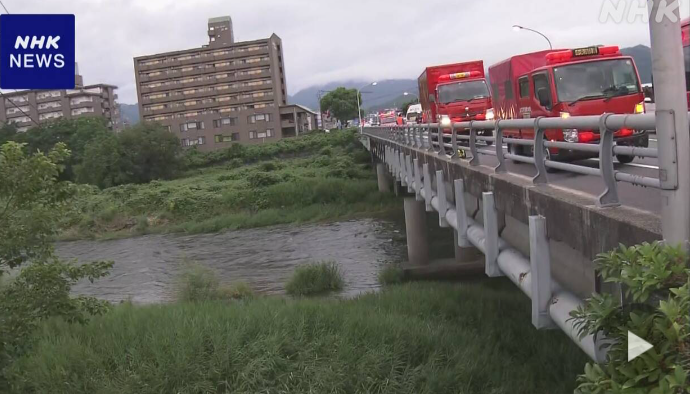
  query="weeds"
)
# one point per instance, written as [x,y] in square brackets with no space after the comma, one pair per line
[315,278]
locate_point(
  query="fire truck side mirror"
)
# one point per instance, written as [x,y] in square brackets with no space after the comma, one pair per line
[543,97]
[431,98]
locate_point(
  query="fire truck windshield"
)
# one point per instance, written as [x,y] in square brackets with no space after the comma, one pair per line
[462,91]
[596,79]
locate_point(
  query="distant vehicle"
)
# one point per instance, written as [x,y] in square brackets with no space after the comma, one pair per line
[583,81]
[387,117]
[413,114]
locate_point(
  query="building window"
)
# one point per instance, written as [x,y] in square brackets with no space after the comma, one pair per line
[193,141]
[224,122]
[253,135]
[259,117]
[226,138]
[191,126]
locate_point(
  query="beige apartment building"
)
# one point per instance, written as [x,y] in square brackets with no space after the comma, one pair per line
[28,108]
[220,93]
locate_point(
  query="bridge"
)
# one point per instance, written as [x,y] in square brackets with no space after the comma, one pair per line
[540,222]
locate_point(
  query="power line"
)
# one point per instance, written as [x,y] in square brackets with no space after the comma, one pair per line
[3,6]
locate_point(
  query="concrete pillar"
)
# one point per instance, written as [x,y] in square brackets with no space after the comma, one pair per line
[416,231]
[465,254]
[396,188]
[382,178]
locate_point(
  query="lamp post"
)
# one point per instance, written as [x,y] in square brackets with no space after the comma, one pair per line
[411,94]
[359,115]
[519,28]
[321,114]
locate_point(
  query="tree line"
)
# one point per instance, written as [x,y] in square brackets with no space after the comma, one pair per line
[100,157]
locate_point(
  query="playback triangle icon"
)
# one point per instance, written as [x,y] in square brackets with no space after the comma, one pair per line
[636,345]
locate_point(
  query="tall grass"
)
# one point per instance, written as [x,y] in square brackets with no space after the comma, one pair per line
[197,283]
[390,274]
[315,278]
[414,338]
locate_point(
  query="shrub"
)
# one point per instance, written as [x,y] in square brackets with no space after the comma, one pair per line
[315,278]
[236,291]
[197,283]
[656,279]
[391,274]
[263,179]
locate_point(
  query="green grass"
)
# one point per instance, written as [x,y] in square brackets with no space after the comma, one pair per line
[333,182]
[391,274]
[412,338]
[315,278]
[197,283]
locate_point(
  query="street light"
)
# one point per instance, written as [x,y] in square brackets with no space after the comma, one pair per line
[519,28]
[359,115]
[411,94]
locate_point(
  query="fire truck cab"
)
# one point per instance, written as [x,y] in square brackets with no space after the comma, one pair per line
[583,81]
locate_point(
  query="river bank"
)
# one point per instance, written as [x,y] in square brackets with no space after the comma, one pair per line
[316,178]
[413,338]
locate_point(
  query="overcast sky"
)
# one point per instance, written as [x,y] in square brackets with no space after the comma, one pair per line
[331,40]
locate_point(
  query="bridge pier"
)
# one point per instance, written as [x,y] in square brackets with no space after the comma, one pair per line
[383,178]
[416,232]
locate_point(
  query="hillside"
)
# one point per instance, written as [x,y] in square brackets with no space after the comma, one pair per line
[644,63]
[129,114]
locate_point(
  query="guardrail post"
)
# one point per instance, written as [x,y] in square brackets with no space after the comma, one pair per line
[441,199]
[475,160]
[540,273]
[440,142]
[401,169]
[609,197]
[430,146]
[539,154]
[428,187]
[671,120]
[489,216]
[454,141]
[418,179]
[461,214]
[409,172]
[420,142]
[499,146]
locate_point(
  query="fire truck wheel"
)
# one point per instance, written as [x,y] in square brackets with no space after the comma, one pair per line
[624,159]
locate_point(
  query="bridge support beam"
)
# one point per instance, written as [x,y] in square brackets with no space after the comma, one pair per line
[383,178]
[466,254]
[416,231]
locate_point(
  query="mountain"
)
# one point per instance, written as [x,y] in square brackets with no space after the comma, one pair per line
[129,113]
[372,96]
[389,93]
[642,58]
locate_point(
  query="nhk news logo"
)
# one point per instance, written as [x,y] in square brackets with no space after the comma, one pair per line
[37,51]
[630,11]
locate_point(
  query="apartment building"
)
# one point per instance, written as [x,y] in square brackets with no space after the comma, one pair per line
[217,94]
[27,108]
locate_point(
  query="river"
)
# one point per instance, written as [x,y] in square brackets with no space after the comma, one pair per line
[146,267]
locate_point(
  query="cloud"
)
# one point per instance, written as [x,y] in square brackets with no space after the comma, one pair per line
[329,40]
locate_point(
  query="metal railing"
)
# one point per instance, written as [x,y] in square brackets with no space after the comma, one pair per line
[463,137]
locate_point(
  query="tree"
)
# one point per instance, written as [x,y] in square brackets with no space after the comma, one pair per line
[341,103]
[103,163]
[32,202]
[75,133]
[150,152]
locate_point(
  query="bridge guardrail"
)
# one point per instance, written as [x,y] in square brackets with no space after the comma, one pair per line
[427,136]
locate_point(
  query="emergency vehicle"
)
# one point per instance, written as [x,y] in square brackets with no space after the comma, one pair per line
[387,117]
[413,114]
[568,82]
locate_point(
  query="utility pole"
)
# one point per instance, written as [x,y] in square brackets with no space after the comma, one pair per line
[671,119]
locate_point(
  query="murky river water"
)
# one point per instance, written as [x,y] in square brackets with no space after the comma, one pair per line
[146,267]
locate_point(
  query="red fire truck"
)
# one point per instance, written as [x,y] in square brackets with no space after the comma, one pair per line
[455,93]
[387,117]
[572,82]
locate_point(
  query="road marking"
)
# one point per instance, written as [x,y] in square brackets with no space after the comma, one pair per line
[634,165]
